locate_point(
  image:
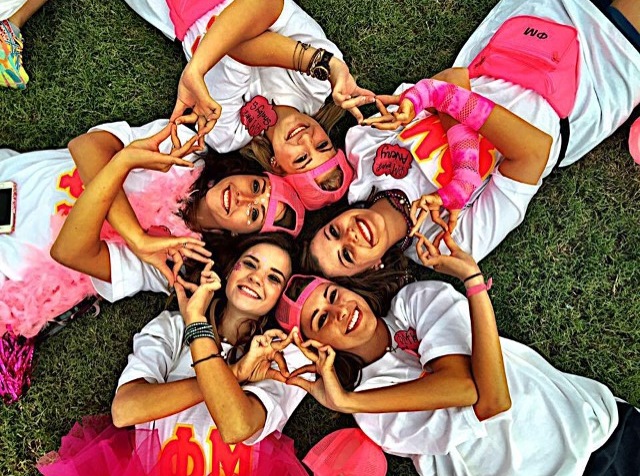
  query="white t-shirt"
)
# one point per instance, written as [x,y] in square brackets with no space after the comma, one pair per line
[607,93]
[48,183]
[556,420]
[159,356]
[233,84]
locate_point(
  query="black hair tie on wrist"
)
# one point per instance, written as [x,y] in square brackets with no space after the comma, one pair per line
[468,278]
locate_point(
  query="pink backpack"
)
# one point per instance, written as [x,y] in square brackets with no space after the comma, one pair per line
[536,53]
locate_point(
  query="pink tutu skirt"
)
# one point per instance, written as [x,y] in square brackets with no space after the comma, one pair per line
[96,447]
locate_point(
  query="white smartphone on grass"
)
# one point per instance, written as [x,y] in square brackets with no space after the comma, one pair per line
[8,195]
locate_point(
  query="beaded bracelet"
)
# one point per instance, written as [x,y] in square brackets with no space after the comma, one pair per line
[212,356]
[196,330]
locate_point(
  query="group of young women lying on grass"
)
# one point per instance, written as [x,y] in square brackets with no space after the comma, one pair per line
[445,173]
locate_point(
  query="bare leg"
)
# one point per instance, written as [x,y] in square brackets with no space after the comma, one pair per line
[20,17]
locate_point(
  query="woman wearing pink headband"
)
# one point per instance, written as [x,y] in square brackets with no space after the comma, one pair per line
[436,383]
[510,130]
[227,201]
[262,70]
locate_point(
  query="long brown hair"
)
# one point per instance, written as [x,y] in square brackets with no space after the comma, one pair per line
[348,366]
[380,285]
[225,263]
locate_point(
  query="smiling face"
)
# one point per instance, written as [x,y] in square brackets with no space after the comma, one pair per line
[299,143]
[338,317]
[238,204]
[350,243]
[258,279]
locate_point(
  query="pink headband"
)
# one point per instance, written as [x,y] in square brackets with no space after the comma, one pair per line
[287,311]
[311,194]
[282,192]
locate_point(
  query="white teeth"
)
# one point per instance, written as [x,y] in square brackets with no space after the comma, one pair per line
[295,131]
[364,229]
[354,319]
[250,291]
[225,198]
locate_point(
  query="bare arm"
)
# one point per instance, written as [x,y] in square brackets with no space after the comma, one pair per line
[91,152]
[140,401]
[242,20]
[78,245]
[449,385]
[487,364]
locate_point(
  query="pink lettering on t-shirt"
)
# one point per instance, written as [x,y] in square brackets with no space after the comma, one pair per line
[258,115]
[392,160]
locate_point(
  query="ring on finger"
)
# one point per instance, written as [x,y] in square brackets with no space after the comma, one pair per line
[184,244]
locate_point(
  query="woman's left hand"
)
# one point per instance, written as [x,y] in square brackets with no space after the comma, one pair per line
[326,389]
[390,121]
[145,153]
[265,349]
[345,91]
[458,264]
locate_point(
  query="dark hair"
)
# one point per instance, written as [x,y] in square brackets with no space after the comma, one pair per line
[348,365]
[224,265]
[216,167]
[378,286]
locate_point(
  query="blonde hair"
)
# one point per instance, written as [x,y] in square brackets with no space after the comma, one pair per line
[260,149]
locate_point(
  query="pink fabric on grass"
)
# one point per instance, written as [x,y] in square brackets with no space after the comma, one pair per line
[48,288]
[347,452]
[634,141]
[184,13]
[96,447]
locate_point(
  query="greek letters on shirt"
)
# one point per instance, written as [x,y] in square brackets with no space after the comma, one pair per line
[258,115]
[70,183]
[427,141]
[183,455]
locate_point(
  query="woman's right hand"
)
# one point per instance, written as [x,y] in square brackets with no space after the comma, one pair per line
[145,153]
[345,91]
[326,389]
[458,264]
[193,94]
[193,308]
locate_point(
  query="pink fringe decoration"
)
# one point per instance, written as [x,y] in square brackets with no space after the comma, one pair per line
[95,447]
[16,354]
[48,289]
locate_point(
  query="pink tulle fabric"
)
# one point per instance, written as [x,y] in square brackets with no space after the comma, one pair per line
[347,452]
[48,289]
[97,448]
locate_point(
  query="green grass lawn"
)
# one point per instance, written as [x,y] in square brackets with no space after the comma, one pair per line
[566,281]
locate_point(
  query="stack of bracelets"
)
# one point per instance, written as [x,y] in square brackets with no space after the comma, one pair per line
[197,330]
